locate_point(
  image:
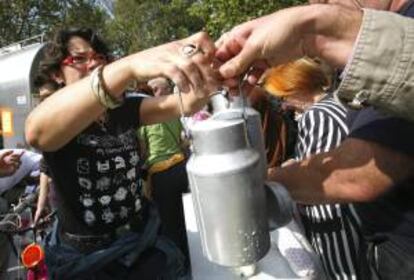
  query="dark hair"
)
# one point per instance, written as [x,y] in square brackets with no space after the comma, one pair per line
[57,49]
[44,86]
[41,79]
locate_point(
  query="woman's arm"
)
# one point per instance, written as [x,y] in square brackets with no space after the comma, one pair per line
[73,108]
[43,192]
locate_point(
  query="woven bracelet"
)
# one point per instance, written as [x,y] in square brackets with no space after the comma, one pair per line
[100,91]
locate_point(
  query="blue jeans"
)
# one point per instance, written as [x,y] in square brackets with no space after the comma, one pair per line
[120,260]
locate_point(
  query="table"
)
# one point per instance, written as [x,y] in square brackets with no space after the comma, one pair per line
[285,260]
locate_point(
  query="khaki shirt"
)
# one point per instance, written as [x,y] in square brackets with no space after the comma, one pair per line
[381,71]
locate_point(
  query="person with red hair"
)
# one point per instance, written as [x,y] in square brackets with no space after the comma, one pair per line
[299,84]
[332,229]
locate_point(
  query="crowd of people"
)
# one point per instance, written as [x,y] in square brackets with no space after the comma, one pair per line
[114,156]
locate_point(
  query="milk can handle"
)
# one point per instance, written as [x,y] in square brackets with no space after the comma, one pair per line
[181,105]
[243,96]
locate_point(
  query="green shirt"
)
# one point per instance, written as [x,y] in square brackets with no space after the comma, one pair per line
[161,140]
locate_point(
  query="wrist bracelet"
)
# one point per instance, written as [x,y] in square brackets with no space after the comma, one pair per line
[100,90]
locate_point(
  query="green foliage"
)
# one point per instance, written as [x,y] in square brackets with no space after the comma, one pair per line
[138,24]
[22,19]
[221,15]
[84,13]
[142,24]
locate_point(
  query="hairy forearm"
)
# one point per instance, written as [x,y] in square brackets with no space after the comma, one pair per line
[358,171]
[314,180]
[330,31]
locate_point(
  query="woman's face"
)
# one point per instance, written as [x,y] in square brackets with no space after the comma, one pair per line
[80,62]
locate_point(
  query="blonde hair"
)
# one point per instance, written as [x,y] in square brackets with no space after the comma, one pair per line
[304,75]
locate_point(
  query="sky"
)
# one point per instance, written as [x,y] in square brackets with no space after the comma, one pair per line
[108,6]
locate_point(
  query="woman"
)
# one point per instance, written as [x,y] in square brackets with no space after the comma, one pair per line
[333,229]
[87,131]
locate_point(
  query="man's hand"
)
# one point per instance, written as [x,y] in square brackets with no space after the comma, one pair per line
[326,31]
[259,43]
[9,163]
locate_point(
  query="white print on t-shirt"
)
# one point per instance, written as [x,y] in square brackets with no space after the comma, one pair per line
[103,183]
[105,200]
[123,212]
[87,200]
[127,138]
[134,158]
[85,183]
[107,216]
[107,141]
[83,166]
[100,152]
[119,162]
[103,167]
[120,194]
[132,174]
[108,179]
[89,217]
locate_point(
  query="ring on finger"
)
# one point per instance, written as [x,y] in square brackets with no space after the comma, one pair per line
[188,50]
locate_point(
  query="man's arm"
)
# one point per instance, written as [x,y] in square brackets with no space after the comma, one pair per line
[380,71]
[327,31]
[356,171]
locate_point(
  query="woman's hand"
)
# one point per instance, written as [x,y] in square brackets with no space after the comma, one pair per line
[188,63]
[190,72]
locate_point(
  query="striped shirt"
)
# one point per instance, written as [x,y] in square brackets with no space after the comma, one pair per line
[333,229]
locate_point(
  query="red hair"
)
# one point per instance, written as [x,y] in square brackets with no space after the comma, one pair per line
[300,76]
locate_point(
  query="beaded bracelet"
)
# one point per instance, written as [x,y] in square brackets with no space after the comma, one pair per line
[100,90]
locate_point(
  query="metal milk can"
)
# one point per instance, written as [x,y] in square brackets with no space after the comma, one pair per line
[238,108]
[227,184]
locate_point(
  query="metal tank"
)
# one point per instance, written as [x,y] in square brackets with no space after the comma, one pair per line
[228,193]
[18,66]
[237,108]
[279,203]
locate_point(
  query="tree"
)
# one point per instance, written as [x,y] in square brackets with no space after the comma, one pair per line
[138,24]
[221,15]
[22,19]
[142,24]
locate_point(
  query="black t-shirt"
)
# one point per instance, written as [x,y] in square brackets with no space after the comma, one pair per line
[390,217]
[43,167]
[97,173]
